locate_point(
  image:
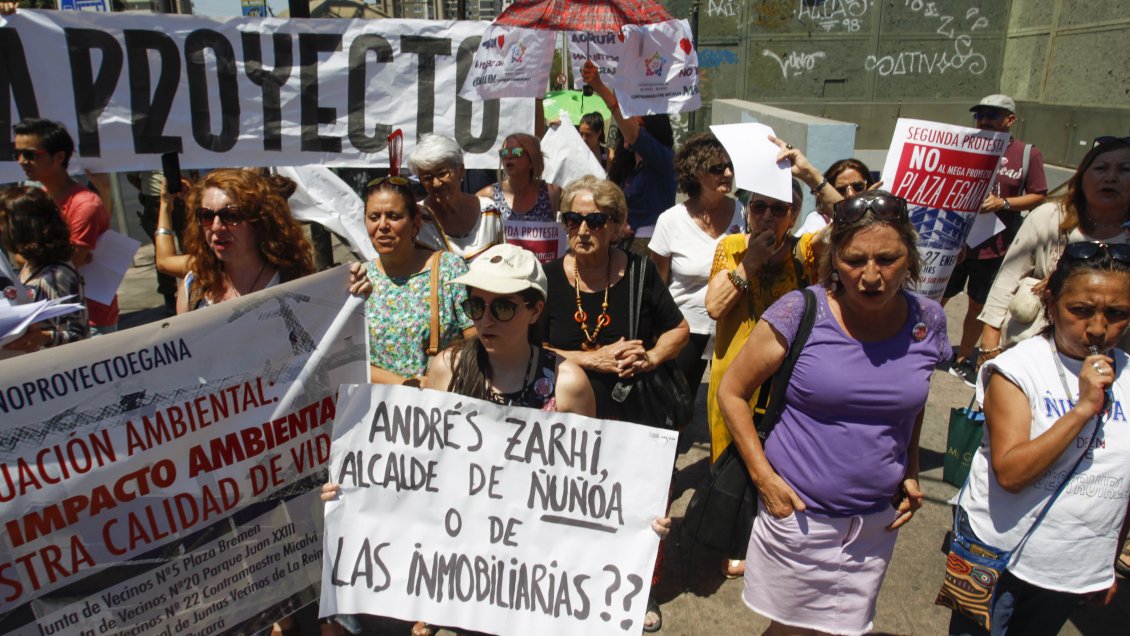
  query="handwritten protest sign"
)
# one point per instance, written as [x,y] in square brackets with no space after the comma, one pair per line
[498,519]
[244,91]
[944,172]
[152,481]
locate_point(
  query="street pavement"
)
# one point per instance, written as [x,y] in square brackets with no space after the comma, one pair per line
[694,596]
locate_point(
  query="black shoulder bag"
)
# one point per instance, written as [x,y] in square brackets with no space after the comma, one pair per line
[720,514]
[661,397]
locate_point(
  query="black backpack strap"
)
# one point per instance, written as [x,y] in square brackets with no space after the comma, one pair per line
[780,380]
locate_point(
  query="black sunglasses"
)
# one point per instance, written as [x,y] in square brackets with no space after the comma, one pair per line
[27,154]
[758,207]
[1088,251]
[885,207]
[854,186]
[502,309]
[1106,139]
[720,169]
[229,215]
[990,113]
[595,220]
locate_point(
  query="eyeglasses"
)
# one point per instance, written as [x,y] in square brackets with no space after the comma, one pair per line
[28,154]
[397,181]
[516,151]
[1088,251]
[854,186]
[439,175]
[885,207]
[989,113]
[502,310]
[1106,139]
[229,215]
[720,169]
[595,220]
[758,207]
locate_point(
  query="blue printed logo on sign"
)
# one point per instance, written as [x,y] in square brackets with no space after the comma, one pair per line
[84,5]
[940,229]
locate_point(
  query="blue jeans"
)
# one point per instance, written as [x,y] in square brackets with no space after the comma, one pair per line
[1020,609]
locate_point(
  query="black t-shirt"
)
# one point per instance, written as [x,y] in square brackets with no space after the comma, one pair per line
[658,314]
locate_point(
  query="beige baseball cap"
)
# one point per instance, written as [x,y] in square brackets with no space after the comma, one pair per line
[504,269]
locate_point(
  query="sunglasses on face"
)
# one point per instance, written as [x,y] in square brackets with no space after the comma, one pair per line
[991,115]
[515,152]
[1088,251]
[885,207]
[758,207]
[229,215]
[502,309]
[439,175]
[1106,139]
[720,169]
[595,220]
[28,154]
[854,186]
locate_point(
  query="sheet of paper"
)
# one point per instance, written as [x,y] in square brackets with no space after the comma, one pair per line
[984,227]
[755,160]
[14,319]
[112,258]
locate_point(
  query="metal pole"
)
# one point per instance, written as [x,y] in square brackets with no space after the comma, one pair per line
[692,120]
[299,8]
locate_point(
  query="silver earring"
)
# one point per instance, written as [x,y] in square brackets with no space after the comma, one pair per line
[835,286]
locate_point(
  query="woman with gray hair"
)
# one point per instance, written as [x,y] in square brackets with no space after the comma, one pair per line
[839,474]
[454,221]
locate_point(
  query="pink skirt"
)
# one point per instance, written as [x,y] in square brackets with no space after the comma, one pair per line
[816,572]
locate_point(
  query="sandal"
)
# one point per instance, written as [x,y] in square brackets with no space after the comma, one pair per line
[652,611]
[733,568]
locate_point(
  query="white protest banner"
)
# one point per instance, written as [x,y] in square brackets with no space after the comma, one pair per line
[658,69]
[567,157]
[322,197]
[499,519]
[547,240]
[154,479]
[510,62]
[244,91]
[604,49]
[944,172]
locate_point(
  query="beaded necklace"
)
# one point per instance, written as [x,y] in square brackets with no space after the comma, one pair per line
[582,318]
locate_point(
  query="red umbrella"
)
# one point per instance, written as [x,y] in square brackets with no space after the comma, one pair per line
[582,15]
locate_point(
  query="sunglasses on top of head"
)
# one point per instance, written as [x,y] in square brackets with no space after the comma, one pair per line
[595,220]
[229,215]
[516,151]
[1106,139]
[1089,251]
[885,207]
[396,181]
[502,309]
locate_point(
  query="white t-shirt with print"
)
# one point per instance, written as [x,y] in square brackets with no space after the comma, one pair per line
[692,253]
[1074,546]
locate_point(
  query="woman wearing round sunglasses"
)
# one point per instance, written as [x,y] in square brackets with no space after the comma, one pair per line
[241,238]
[454,220]
[520,191]
[686,236]
[840,471]
[399,312]
[1051,401]
[850,178]
[749,273]
[1096,207]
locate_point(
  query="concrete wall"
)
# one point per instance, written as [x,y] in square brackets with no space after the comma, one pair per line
[1066,62]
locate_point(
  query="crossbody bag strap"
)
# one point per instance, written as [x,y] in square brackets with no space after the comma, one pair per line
[433,303]
[636,272]
[780,380]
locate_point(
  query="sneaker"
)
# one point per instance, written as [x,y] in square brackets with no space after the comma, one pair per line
[966,370]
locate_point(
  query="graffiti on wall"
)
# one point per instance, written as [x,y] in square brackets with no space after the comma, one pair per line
[962,56]
[795,63]
[833,15]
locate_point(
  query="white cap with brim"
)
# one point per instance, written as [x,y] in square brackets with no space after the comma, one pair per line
[1000,102]
[504,269]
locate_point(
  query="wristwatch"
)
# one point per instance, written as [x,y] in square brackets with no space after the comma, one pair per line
[1007,205]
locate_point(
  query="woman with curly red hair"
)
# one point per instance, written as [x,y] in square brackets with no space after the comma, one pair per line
[241,238]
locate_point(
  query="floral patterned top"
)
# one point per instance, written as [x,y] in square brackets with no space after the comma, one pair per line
[399,321]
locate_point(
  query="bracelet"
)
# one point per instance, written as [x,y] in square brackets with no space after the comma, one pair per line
[993,351]
[737,281]
[816,191]
[164,231]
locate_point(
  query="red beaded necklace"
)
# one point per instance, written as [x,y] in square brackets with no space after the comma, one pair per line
[582,318]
